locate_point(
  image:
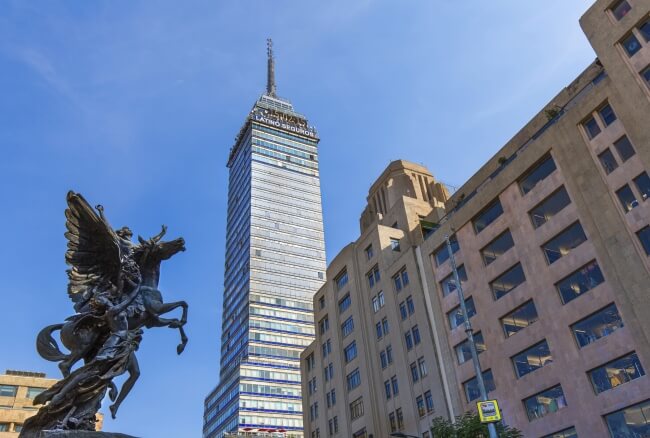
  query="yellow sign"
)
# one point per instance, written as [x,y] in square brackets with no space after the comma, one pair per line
[489,411]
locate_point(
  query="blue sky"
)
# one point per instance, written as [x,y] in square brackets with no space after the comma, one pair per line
[136,104]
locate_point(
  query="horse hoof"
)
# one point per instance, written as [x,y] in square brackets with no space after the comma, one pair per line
[180,348]
[113,410]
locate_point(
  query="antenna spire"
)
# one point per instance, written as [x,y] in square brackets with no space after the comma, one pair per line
[270,71]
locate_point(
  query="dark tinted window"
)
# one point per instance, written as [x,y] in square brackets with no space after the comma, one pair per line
[644,238]
[448,284]
[624,148]
[646,75]
[519,319]
[532,359]
[487,216]
[617,372]
[607,114]
[442,254]
[626,198]
[497,247]
[471,386]
[536,174]
[633,421]
[564,242]
[598,325]
[645,30]
[581,281]
[463,352]
[544,403]
[608,161]
[456,315]
[631,45]
[566,433]
[591,127]
[642,183]
[620,9]
[549,207]
[507,281]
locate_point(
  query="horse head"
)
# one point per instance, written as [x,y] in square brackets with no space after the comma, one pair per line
[152,252]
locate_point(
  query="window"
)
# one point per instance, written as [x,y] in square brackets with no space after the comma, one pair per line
[328,372]
[536,174]
[624,147]
[334,425]
[642,183]
[312,386]
[463,351]
[393,384]
[345,303]
[373,276]
[369,252]
[544,403]
[645,74]
[549,207]
[387,389]
[627,198]
[608,161]
[378,301]
[566,433]
[310,361]
[323,325]
[403,311]
[356,408]
[341,280]
[581,281]
[415,376]
[448,284]
[389,354]
[409,305]
[633,421]
[353,379]
[615,373]
[400,418]
[321,302]
[487,216]
[347,327]
[378,330]
[350,351]
[331,398]
[401,279]
[384,325]
[422,365]
[607,114]
[456,315]
[644,237]
[564,242]
[394,244]
[392,422]
[4,427]
[360,434]
[416,334]
[532,359]
[327,348]
[598,325]
[507,281]
[8,390]
[441,254]
[620,9]
[497,247]
[644,29]
[419,401]
[380,298]
[313,411]
[631,45]
[520,318]
[472,391]
[382,359]
[428,399]
[591,127]
[409,340]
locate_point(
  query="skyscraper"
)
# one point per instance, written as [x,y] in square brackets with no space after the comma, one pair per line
[275,262]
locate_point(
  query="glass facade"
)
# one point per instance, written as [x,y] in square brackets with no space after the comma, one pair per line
[275,262]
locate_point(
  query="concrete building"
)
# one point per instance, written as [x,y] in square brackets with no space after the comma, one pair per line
[17,392]
[552,240]
[372,369]
[275,262]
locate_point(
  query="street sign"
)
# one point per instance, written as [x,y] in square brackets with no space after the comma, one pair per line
[488,411]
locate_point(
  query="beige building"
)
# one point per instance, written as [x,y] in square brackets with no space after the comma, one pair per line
[17,392]
[373,368]
[552,240]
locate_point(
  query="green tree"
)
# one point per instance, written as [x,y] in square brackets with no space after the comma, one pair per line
[469,425]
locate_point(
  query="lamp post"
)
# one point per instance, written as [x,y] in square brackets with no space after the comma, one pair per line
[492,430]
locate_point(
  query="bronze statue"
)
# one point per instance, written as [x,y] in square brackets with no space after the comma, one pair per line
[113,285]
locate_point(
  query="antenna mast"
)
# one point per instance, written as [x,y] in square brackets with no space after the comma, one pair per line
[270,73]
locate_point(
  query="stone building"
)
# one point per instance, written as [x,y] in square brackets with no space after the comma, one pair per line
[552,241]
[372,369]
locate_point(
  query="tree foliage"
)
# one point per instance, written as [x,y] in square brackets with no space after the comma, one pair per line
[469,425]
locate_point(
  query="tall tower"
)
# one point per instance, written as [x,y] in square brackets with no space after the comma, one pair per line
[275,262]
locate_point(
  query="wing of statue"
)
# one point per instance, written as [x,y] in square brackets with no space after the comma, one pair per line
[93,251]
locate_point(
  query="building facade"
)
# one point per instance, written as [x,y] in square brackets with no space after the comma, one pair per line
[275,262]
[17,392]
[552,238]
[373,369]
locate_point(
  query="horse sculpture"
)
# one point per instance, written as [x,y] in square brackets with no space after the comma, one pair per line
[114,285]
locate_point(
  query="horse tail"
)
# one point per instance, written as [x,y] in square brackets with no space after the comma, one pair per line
[47,346]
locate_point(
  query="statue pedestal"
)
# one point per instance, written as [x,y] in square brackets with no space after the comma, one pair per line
[75,434]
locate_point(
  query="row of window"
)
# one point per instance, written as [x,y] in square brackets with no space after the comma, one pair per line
[628,198]
[422,401]
[631,44]
[11,390]
[624,150]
